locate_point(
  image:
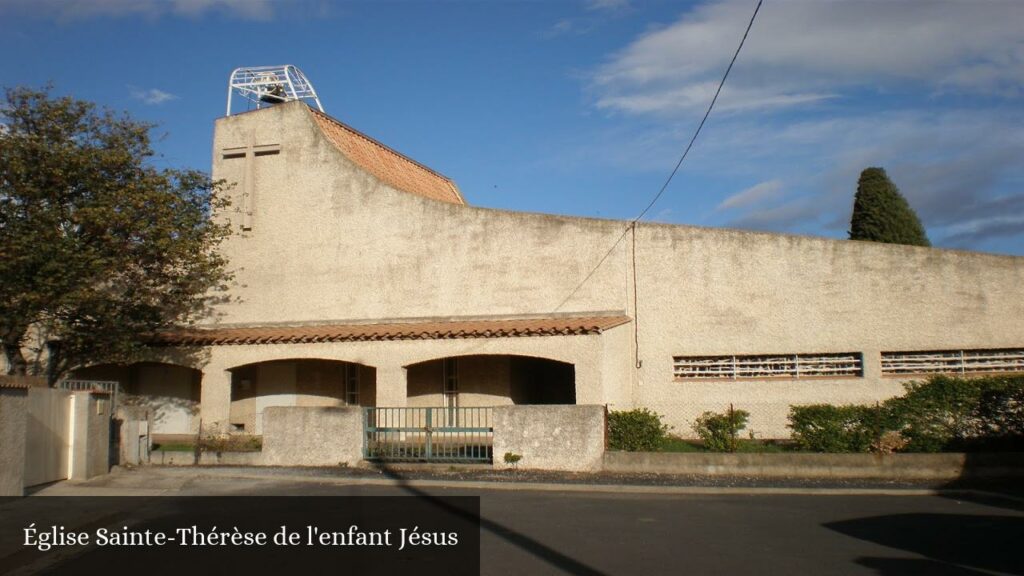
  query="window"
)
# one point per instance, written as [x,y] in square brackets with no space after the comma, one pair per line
[953,362]
[451,382]
[351,385]
[451,376]
[768,366]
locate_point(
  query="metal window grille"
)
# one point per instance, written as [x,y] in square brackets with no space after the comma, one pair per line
[451,391]
[351,385]
[768,366]
[953,362]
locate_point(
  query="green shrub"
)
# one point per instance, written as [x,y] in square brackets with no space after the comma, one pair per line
[827,428]
[513,459]
[1001,412]
[937,414]
[720,431]
[942,413]
[961,414]
[638,430]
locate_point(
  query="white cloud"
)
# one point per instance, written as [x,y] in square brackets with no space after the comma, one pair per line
[688,98]
[152,96]
[76,10]
[754,195]
[607,4]
[560,28]
[802,51]
[957,168]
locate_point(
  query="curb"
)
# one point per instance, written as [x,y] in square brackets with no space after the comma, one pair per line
[583,488]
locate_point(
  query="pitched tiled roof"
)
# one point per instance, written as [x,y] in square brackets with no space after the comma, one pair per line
[387,165]
[570,326]
[22,382]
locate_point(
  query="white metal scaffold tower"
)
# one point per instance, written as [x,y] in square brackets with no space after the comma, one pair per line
[269,85]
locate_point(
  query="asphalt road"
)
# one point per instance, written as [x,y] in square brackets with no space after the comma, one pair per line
[573,532]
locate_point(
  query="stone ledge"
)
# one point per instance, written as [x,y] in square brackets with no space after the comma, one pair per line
[839,466]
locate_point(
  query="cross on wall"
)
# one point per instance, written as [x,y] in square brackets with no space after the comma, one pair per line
[249,152]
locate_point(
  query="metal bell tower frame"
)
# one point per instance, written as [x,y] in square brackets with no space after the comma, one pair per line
[269,85]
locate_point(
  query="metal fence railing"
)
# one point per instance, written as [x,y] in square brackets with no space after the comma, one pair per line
[112,387]
[427,434]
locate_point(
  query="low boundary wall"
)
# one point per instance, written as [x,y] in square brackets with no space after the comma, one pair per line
[47,434]
[820,466]
[13,409]
[568,438]
[90,444]
[312,436]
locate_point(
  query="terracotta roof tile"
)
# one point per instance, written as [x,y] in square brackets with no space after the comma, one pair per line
[387,165]
[22,382]
[443,330]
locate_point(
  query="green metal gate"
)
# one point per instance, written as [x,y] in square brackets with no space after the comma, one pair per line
[427,434]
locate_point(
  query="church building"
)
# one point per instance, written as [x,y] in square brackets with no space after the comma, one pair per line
[363,277]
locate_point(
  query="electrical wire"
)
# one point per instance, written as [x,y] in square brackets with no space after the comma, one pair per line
[661,191]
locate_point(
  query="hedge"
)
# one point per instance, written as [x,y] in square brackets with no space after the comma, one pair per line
[942,413]
[638,430]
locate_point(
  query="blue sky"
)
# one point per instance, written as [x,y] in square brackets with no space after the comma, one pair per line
[583,107]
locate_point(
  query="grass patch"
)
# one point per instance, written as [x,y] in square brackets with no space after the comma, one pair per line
[676,444]
[238,443]
[763,447]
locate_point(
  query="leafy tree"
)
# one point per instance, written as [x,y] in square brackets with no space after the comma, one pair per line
[98,248]
[882,214]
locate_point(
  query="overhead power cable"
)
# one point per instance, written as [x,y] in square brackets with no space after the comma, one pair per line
[686,151]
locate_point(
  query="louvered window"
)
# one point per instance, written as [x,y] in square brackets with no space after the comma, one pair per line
[768,366]
[953,362]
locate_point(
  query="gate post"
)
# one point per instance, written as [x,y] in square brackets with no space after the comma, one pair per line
[366,432]
[430,433]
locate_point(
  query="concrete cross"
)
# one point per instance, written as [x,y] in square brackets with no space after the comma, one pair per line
[249,152]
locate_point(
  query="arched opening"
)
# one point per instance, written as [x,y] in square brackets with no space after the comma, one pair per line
[301,382]
[165,394]
[490,380]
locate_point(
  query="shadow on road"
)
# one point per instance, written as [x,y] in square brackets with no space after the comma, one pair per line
[904,566]
[992,479]
[954,544]
[522,541]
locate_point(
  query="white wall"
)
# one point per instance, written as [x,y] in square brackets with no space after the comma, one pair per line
[329,243]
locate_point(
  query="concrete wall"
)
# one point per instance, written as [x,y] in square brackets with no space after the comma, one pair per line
[134,442]
[350,247]
[169,393]
[550,437]
[90,449]
[312,436]
[161,458]
[329,242]
[825,466]
[48,435]
[13,414]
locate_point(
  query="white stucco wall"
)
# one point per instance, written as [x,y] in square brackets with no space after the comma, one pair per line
[169,394]
[331,243]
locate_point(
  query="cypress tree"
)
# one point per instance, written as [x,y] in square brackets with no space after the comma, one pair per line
[882,214]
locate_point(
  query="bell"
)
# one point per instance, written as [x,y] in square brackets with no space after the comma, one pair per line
[273,95]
